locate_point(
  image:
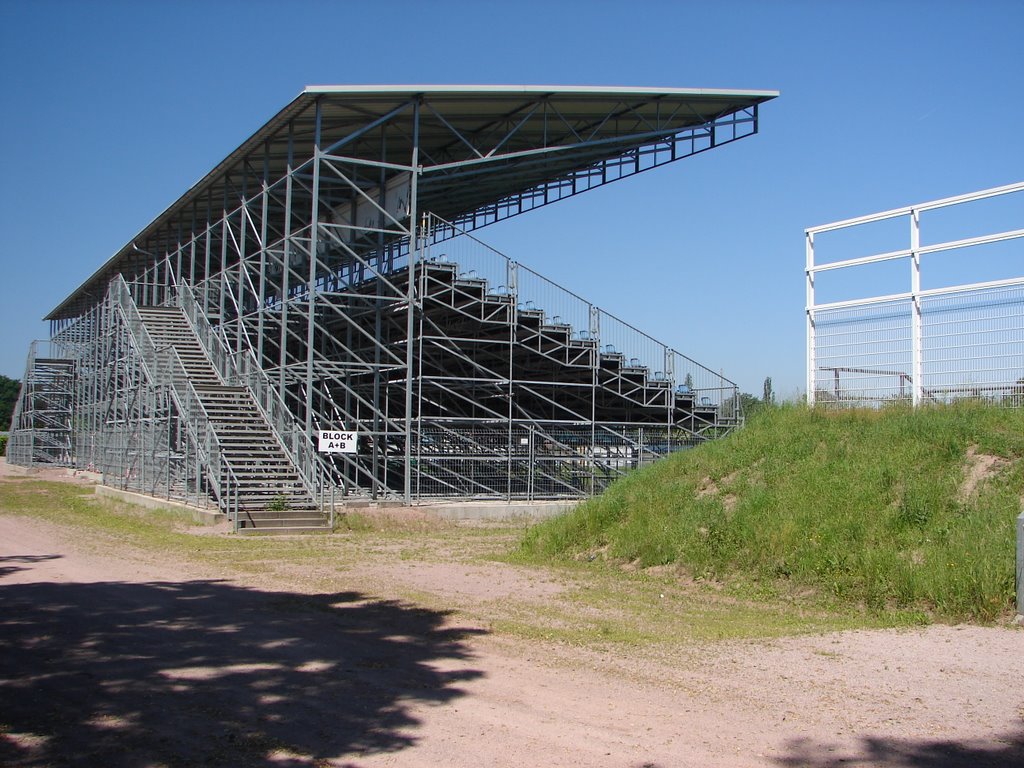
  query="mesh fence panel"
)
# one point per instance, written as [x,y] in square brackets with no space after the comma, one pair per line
[863,354]
[950,327]
[973,345]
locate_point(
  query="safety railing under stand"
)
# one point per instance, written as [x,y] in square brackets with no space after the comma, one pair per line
[19,444]
[532,292]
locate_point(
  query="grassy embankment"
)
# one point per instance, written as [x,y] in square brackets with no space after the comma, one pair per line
[862,508]
[803,522]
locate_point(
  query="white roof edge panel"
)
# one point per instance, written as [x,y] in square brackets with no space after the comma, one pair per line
[484,90]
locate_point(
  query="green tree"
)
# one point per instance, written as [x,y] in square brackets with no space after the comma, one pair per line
[746,402]
[9,389]
[750,402]
[768,397]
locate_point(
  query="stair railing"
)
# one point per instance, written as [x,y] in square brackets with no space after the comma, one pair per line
[20,442]
[163,367]
[531,290]
[221,475]
[39,432]
[242,369]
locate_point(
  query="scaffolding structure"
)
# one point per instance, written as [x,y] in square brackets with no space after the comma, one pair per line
[325,277]
[41,425]
[934,344]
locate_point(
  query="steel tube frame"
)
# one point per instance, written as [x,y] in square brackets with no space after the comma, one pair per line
[279,267]
[916,296]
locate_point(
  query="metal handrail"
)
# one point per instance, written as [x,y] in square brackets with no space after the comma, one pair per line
[715,385]
[220,473]
[17,450]
[241,368]
[205,437]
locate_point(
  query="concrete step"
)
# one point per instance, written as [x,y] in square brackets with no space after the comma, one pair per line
[272,517]
[278,517]
[284,531]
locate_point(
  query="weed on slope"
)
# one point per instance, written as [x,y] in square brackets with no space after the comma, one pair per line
[894,510]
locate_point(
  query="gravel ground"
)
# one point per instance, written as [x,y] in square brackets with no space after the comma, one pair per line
[107,659]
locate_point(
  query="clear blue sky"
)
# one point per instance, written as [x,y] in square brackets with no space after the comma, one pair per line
[111,110]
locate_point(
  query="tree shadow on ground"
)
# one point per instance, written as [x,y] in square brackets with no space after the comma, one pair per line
[208,673]
[907,753]
[7,570]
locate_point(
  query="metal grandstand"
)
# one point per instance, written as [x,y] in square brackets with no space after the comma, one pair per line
[324,277]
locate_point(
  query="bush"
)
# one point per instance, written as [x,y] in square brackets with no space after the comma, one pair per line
[278,504]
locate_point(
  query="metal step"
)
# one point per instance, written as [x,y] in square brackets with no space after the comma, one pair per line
[265,475]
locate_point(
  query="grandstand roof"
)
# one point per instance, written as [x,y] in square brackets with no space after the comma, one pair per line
[477,148]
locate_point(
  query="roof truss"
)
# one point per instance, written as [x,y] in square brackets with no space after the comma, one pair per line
[471,155]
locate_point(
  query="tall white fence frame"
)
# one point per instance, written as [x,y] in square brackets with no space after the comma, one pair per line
[913,384]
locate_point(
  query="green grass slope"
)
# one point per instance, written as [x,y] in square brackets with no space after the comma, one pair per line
[891,509]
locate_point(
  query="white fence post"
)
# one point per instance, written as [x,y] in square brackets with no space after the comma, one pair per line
[1020,564]
[928,343]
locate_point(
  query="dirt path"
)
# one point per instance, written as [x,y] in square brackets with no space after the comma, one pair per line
[107,660]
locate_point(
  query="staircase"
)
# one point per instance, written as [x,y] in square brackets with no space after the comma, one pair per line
[42,418]
[266,488]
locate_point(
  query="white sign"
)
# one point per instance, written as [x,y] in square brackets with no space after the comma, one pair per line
[336,441]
